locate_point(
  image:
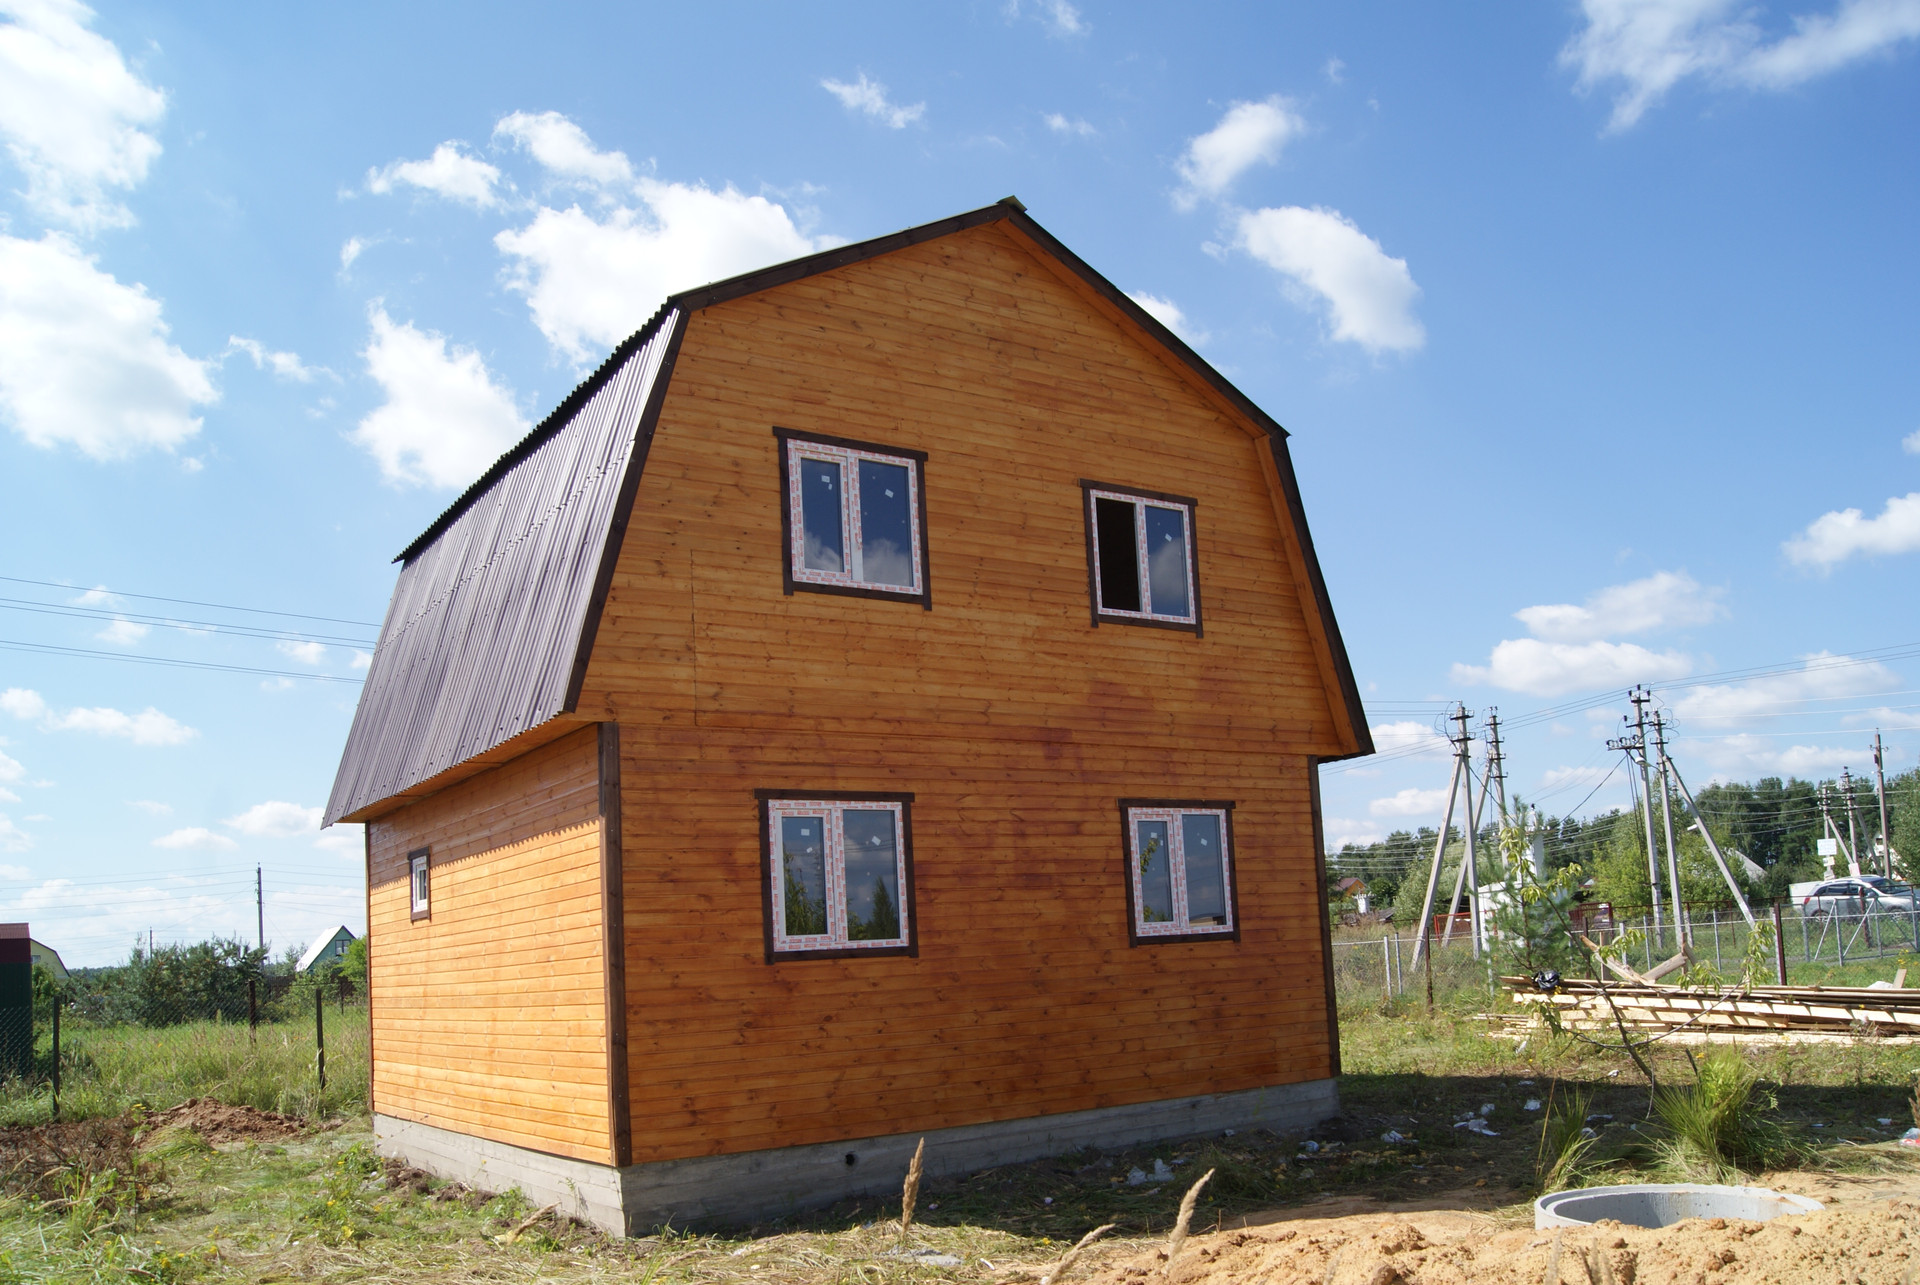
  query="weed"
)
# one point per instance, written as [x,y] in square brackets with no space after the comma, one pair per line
[1566,1143]
[1718,1125]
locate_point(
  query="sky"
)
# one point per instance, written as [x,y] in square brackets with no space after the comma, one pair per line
[1592,324]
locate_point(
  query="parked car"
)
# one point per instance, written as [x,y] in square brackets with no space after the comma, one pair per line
[1858,894]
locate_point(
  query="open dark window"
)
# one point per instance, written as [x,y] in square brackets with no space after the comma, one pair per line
[417,883]
[855,517]
[1180,881]
[838,875]
[1142,566]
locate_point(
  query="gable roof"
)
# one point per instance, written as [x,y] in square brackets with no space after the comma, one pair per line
[320,947]
[498,601]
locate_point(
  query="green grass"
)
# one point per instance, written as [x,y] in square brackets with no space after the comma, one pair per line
[106,1070]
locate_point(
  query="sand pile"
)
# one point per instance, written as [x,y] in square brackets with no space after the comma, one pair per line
[1867,1244]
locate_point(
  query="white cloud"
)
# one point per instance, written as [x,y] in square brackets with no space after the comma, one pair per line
[362,659]
[869,97]
[1340,831]
[563,149]
[85,360]
[10,769]
[1060,17]
[350,250]
[196,838]
[151,807]
[1834,537]
[1410,802]
[592,281]
[342,840]
[1417,739]
[1336,71]
[1652,45]
[307,653]
[98,596]
[1553,669]
[285,365]
[1249,134]
[1821,677]
[1746,755]
[8,796]
[275,820]
[22,702]
[149,727]
[1555,778]
[123,633]
[1368,294]
[445,419]
[1663,600]
[74,117]
[1911,442]
[449,172]
[1169,314]
[1075,127]
[12,837]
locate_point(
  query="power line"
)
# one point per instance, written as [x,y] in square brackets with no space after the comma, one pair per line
[189,602]
[167,622]
[51,649]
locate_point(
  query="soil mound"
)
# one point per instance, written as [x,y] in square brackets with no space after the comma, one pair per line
[1873,1244]
[220,1122]
[53,1161]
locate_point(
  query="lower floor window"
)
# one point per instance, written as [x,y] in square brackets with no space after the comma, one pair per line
[1179,869]
[838,874]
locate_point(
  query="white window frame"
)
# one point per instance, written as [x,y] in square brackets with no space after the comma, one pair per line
[848,457]
[1142,556]
[832,812]
[420,882]
[1178,928]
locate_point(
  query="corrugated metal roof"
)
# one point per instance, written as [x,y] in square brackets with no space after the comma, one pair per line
[493,603]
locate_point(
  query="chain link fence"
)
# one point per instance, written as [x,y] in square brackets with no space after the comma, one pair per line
[93,1046]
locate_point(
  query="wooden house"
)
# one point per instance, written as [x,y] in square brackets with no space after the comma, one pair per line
[883,701]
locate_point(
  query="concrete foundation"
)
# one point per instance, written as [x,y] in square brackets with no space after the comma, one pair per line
[717,1190]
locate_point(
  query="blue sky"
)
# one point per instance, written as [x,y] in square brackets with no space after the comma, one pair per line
[1592,322]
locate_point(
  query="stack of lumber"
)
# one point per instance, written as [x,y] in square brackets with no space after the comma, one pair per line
[1802,1013]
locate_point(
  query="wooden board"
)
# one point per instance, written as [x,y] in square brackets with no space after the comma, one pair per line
[1014,721]
[489,1017]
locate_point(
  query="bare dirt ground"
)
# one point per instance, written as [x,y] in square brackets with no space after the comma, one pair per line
[1869,1234]
[220,1123]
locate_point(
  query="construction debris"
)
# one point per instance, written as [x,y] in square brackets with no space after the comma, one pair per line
[1813,1013]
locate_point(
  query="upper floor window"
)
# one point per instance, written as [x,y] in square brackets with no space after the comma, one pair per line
[838,874]
[417,880]
[1141,563]
[1180,883]
[855,517]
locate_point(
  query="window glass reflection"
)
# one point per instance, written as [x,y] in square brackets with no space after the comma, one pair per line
[1156,873]
[803,859]
[1206,878]
[822,526]
[1167,561]
[886,525]
[873,875]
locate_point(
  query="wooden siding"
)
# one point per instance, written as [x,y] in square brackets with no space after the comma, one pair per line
[490,1016]
[1016,724]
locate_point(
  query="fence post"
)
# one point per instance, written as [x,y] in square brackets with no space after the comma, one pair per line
[253,1008]
[1426,953]
[1779,944]
[320,1035]
[56,1055]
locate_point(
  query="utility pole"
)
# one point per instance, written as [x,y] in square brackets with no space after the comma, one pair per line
[1853,837]
[1421,947]
[1880,790]
[260,905]
[1497,764]
[1680,924]
[1640,697]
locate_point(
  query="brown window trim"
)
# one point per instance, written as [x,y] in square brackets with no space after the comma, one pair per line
[425,857]
[1126,866]
[1192,506]
[919,459]
[764,797]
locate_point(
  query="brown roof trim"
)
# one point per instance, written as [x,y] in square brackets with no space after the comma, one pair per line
[558,419]
[623,506]
[1342,666]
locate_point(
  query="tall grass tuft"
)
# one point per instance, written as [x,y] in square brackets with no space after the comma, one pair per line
[910,1190]
[1566,1143]
[1180,1224]
[1717,1126]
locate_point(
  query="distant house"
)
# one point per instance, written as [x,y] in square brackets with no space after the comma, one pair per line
[807,741]
[45,956]
[325,950]
[1354,890]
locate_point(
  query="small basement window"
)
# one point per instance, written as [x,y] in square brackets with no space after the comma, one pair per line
[855,518]
[417,879]
[838,874]
[1180,882]
[1142,566]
